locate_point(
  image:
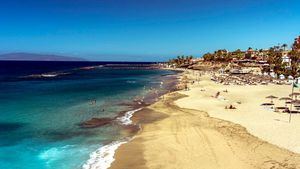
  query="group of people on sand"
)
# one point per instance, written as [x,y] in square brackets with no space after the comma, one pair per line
[226,107]
[230,107]
[185,87]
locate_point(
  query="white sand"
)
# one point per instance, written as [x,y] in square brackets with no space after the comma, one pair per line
[263,123]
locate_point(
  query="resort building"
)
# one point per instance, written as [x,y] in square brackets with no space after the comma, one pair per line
[286,59]
[196,60]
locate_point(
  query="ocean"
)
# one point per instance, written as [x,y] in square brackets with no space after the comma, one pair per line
[44,104]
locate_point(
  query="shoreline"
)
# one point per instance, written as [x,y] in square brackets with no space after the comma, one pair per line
[103,157]
[136,153]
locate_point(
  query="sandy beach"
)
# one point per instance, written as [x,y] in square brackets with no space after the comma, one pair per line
[191,129]
[260,121]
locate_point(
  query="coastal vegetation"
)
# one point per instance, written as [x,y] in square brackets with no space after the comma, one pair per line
[181,61]
[277,59]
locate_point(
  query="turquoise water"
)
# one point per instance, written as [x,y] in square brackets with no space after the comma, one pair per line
[39,122]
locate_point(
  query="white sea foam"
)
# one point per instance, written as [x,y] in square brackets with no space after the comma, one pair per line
[55,153]
[46,75]
[126,119]
[103,157]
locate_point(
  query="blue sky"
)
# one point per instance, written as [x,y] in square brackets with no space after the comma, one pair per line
[144,30]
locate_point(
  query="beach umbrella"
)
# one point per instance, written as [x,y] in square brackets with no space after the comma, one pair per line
[296,94]
[271,97]
[267,104]
[295,102]
[288,102]
[286,99]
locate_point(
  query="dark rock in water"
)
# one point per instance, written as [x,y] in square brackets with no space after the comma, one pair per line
[8,127]
[128,104]
[96,122]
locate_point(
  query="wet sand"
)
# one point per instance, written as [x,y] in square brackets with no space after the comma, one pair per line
[173,137]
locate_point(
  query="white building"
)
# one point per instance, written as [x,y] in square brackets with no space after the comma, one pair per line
[281,77]
[290,77]
[273,75]
[286,59]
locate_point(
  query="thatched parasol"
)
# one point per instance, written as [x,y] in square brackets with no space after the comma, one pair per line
[271,97]
[286,99]
[295,101]
[267,104]
[296,94]
[288,102]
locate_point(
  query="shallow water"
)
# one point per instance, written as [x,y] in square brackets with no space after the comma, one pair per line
[39,117]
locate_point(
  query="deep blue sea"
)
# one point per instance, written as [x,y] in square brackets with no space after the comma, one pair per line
[43,103]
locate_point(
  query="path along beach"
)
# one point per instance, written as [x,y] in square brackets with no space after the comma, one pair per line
[192,129]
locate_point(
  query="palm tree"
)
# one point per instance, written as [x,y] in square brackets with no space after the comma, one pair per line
[284,46]
[190,58]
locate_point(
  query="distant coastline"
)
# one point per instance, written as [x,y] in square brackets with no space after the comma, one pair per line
[21,56]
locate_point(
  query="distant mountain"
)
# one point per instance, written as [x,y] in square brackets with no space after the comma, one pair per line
[37,57]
